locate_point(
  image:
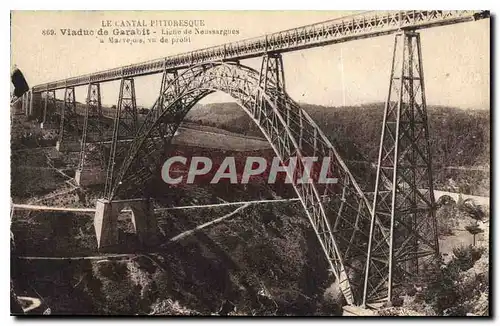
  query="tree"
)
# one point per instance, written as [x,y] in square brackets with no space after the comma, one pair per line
[474,229]
[472,210]
[476,214]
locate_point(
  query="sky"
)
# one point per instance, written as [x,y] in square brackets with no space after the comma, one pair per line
[456,58]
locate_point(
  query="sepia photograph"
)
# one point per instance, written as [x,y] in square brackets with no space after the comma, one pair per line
[250,163]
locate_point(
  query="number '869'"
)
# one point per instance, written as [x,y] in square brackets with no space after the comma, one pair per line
[48,32]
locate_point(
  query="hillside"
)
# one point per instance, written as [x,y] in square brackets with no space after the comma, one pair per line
[459,138]
[261,260]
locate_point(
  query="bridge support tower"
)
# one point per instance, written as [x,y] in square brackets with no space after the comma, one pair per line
[68,124]
[92,157]
[49,107]
[404,166]
[125,126]
[107,210]
[106,221]
[27,103]
[29,108]
[35,107]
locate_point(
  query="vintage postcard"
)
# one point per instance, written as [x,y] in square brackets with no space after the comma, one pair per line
[250,163]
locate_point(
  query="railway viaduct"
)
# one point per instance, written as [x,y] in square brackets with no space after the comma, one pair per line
[372,247]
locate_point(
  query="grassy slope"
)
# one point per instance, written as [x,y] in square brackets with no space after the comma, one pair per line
[458,137]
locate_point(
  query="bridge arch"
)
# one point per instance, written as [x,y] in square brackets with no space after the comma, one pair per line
[338,213]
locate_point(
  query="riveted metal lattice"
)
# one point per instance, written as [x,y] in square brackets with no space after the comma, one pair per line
[343,29]
[341,222]
[92,151]
[404,198]
[382,245]
[69,120]
[124,127]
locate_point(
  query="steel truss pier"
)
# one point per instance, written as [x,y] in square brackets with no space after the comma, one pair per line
[404,166]
[69,122]
[92,157]
[125,126]
[49,108]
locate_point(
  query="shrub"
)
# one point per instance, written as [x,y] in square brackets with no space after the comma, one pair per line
[447,216]
[458,287]
[466,256]
[472,210]
[332,300]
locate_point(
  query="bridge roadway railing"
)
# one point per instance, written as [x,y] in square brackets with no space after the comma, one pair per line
[365,25]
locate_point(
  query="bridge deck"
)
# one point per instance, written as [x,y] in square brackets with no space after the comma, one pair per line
[340,30]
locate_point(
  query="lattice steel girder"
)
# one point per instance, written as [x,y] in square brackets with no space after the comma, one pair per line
[405,163]
[343,29]
[125,125]
[341,223]
[93,130]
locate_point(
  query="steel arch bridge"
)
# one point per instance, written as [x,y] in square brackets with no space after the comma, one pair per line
[371,246]
[341,224]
